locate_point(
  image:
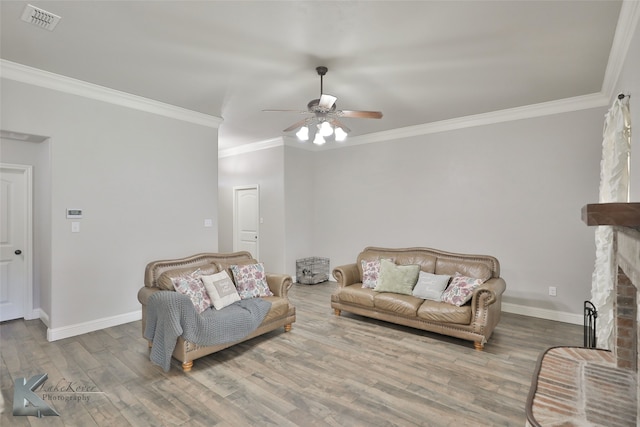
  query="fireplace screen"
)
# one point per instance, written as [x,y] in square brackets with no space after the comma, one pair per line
[590,316]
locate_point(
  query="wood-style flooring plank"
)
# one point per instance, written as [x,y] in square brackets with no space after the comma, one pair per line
[329,371]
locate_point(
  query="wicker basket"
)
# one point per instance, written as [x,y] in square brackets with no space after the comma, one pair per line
[312,270]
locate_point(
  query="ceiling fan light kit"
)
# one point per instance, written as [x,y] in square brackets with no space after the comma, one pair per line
[325,117]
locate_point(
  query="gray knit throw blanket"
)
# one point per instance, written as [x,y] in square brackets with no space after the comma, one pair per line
[172,314]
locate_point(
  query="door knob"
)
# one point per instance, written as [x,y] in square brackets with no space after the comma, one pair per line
[18,252]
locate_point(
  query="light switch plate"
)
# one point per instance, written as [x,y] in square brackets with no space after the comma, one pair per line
[75,227]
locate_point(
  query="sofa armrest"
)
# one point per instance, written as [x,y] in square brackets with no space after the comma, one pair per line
[486,306]
[493,288]
[279,284]
[346,275]
[144,293]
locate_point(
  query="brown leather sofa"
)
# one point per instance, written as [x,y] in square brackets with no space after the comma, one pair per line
[473,321]
[157,278]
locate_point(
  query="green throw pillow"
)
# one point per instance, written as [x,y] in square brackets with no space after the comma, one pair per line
[399,279]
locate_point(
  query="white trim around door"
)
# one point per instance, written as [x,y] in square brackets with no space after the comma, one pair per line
[27,172]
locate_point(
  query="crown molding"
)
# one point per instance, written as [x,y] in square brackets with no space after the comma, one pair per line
[248,148]
[627,23]
[566,105]
[25,74]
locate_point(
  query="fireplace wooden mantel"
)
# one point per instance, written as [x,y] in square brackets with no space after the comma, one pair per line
[617,214]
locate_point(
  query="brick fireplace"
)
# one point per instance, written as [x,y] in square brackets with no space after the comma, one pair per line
[591,386]
[625,218]
[627,340]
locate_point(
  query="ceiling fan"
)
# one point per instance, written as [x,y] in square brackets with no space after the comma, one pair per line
[325,116]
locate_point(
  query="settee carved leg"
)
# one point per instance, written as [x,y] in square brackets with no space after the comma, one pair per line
[478,345]
[186,366]
[337,311]
[287,327]
[150,343]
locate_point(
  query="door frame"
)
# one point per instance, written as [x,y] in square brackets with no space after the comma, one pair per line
[27,170]
[235,215]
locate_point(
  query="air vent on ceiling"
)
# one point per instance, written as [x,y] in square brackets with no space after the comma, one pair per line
[40,18]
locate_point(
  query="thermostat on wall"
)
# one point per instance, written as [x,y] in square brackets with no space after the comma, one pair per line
[74,213]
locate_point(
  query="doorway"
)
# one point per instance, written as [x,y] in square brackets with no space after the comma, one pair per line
[16,254]
[246,219]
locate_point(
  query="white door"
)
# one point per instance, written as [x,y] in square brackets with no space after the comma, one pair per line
[15,226]
[246,213]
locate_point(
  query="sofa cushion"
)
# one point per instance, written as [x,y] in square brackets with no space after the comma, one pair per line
[460,290]
[445,313]
[165,279]
[426,262]
[220,289]
[403,305]
[466,268]
[279,308]
[192,286]
[251,280]
[430,286]
[356,294]
[399,279]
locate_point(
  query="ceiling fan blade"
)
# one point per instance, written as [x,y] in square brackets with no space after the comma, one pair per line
[338,123]
[327,101]
[360,114]
[296,125]
[285,111]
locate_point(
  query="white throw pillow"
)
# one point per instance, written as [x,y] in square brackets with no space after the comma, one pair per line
[430,286]
[221,289]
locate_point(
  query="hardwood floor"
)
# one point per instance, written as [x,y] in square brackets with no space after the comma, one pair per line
[328,371]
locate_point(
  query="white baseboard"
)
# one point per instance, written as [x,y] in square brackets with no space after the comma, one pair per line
[34,314]
[44,317]
[542,313]
[94,325]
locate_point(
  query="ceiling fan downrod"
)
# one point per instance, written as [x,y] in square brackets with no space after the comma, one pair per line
[321,70]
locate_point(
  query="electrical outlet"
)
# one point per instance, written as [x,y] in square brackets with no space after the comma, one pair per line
[552,291]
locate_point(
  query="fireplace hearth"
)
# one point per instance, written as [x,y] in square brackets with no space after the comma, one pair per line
[607,380]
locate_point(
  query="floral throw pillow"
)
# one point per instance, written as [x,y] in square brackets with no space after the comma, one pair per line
[251,280]
[192,286]
[460,290]
[370,273]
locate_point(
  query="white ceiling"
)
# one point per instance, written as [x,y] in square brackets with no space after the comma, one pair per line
[418,62]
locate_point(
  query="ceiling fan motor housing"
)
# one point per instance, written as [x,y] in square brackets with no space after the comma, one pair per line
[314,107]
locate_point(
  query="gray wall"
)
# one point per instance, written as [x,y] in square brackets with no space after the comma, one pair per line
[285,177]
[300,209]
[266,169]
[513,190]
[145,182]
